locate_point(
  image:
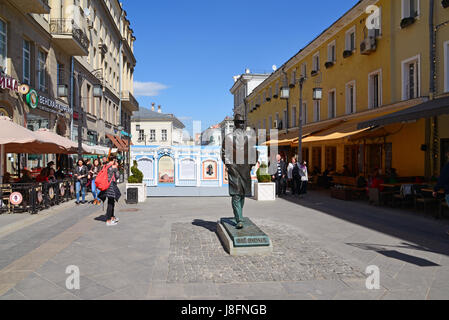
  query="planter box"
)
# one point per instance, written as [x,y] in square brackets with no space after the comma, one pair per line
[142,187]
[347,53]
[265,191]
[407,22]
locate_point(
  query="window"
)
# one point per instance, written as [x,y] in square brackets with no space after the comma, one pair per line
[26,62]
[350,39]
[42,60]
[410,8]
[141,135]
[375,89]
[332,104]
[284,120]
[410,78]
[60,74]
[350,98]
[304,70]
[152,135]
[265,124]
[316,62]
[164,135]
[277,121]
[446,66]
[293,122]
[304,113]
[88,99]
[3,45]
[316,110]
[331,56]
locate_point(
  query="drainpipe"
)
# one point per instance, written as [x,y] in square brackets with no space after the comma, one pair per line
[432,38]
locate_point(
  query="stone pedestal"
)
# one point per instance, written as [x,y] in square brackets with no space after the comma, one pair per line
[142,187]
[243,242]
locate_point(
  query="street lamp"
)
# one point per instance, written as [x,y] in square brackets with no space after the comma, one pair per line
[285,94]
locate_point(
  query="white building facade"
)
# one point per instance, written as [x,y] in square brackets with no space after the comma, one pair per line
[243,86]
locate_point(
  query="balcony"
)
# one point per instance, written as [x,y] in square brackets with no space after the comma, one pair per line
[33,6]
[69,36]
[129,102]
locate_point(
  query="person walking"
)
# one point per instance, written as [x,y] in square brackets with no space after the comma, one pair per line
[113,193]
[443,182]
[93,173]
[303,172]
[81,174]
[280,176]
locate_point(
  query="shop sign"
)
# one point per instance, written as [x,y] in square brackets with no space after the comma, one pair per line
[16,198]
[46,104]
[7,82]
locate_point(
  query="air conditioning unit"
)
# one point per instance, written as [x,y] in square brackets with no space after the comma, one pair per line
[368,46]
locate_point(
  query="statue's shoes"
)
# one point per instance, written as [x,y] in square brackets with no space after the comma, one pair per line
[240,225]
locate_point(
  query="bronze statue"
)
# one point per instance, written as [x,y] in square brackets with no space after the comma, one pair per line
[239,155]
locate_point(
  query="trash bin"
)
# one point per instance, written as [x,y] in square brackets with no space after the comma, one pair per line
[132,195]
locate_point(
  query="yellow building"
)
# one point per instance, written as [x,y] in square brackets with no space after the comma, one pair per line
[374,61]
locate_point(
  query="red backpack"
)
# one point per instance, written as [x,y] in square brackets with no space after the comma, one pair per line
[102,181]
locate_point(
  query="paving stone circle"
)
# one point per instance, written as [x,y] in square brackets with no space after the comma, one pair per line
[197,256]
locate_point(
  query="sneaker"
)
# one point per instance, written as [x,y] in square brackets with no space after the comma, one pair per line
[116,219]
[77,203]
[111,223]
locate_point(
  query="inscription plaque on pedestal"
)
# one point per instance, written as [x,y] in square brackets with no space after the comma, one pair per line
[249,236]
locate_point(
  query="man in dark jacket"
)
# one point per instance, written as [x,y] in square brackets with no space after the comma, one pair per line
[280,176]
[443,181]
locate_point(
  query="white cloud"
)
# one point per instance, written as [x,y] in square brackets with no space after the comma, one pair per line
[148,89]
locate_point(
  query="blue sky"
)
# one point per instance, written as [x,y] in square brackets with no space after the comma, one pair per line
[188,51]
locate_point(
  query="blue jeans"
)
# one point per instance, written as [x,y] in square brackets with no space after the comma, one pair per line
[95,191]
[80,187]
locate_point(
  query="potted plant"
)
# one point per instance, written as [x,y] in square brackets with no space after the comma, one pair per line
[136,181]
[329,64]
[264,189]
[407,22]
[347,53]
[445,3]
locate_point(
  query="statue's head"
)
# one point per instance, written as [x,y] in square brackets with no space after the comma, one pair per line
[239,122]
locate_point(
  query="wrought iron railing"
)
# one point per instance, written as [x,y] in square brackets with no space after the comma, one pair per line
[69,27]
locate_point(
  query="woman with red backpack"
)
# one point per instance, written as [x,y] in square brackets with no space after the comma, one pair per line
[112,193]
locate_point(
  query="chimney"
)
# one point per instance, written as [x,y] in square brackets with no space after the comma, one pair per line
[159,109]
[152,106]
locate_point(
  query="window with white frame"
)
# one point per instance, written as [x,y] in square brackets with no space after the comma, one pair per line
[152,135]
[270,122]
[332,104]
[42,70]
[375,89]
[304,113]
[164,135]
[293,121]
[316,110]
[331,52]
[351,98]
[26,55]
[141,135]
[277,121]
[265,124]
[316,61]
[3,45]
[410,8]
[350,39]
[411,78]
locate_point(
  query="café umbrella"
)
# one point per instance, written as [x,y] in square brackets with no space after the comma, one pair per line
[17,139]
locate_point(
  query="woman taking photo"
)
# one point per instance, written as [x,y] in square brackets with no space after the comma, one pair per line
[112,193]
[93,173]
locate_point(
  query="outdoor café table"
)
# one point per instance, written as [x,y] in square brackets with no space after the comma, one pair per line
[431,190]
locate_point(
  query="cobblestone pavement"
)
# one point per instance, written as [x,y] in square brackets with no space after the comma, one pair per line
[197,255]
[167,248]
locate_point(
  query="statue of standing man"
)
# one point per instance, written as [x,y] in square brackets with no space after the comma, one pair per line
[239,154]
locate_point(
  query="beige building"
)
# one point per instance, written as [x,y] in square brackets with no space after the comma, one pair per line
[151,127]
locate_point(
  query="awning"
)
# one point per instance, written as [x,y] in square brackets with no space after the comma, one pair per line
[115,141]
[428,109]
[344,130]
